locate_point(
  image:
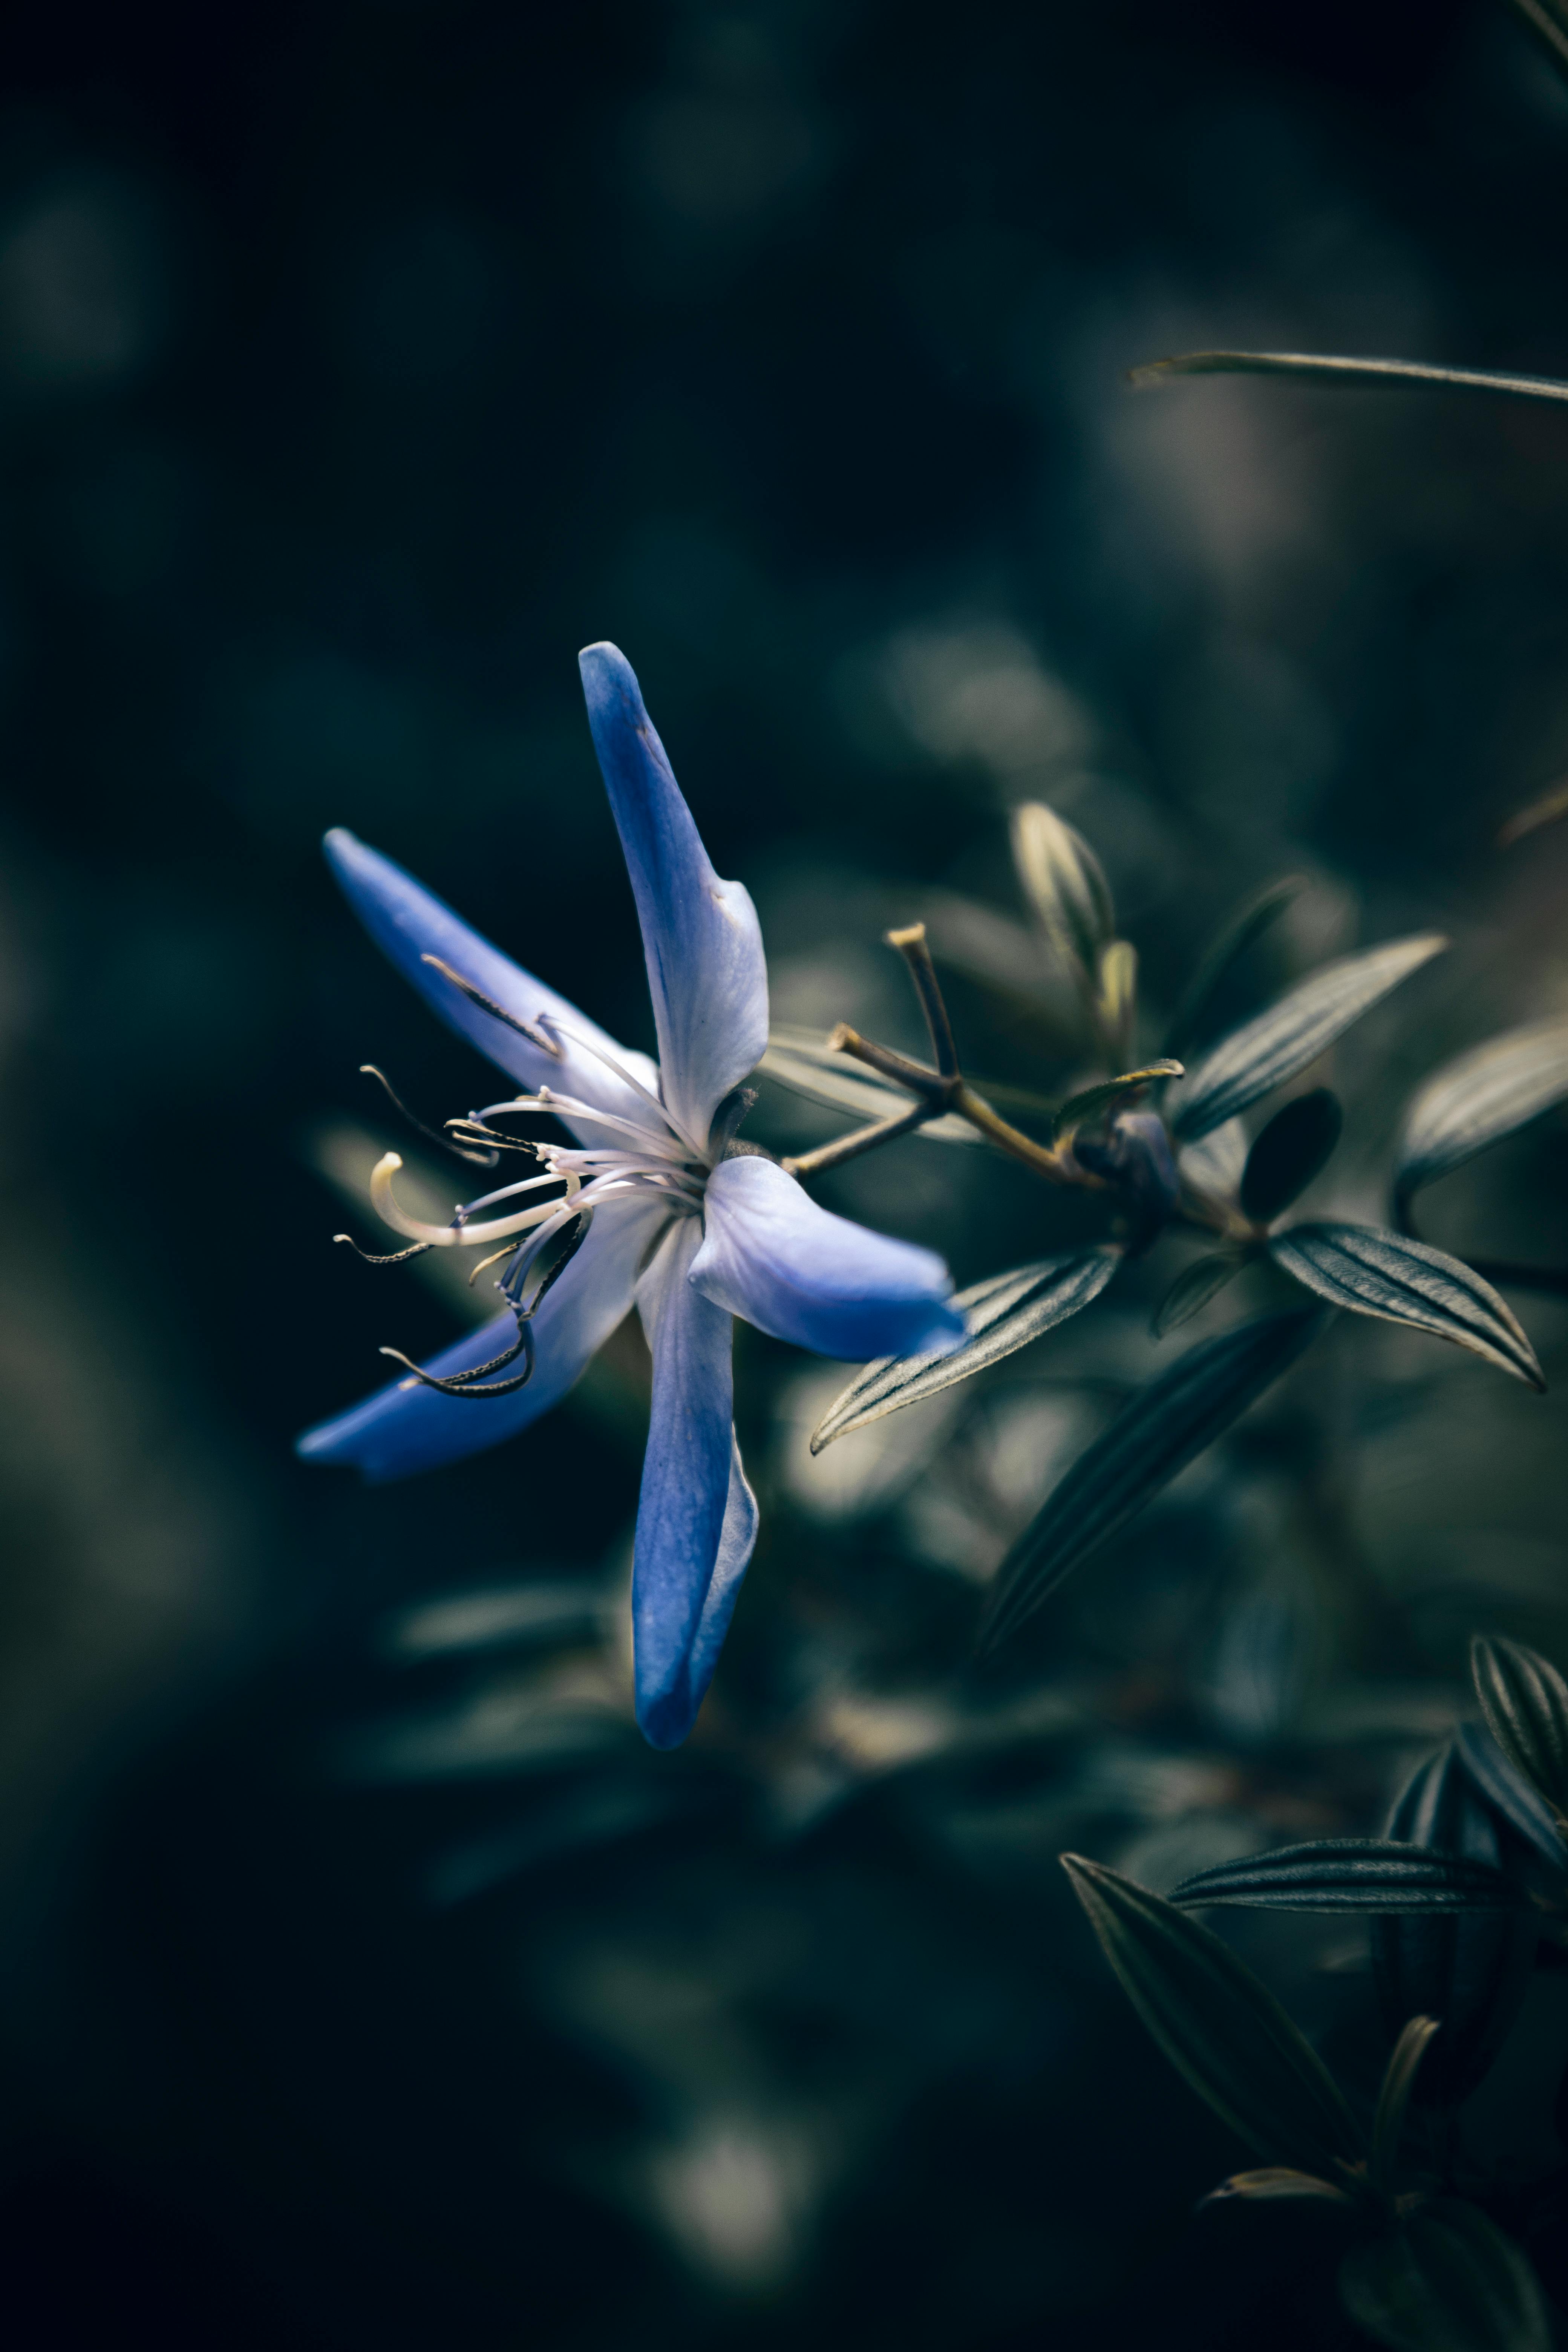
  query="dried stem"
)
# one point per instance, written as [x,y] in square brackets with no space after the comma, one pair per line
[911,943]
[863,1138]
[939,1090]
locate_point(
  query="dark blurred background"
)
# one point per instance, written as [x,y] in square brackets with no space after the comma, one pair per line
[364,1980]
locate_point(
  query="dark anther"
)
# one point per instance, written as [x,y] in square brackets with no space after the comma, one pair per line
[577,1234]
[462,1384]
[397,1258]
[479,1159]
[470,1130]
[535,1036]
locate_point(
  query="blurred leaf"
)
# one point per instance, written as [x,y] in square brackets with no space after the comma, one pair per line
[1545,809]
[1194,1287]
[1152,1438]
[1352,1874]
[1001,1314]
[1250,920]
[1520,1804]
[1266,1051]
[1403,1281]
[1274,2182]
[1363,373]
[1475,1100]
[1525,1702]
[798,1059]
[582,1820]
[1393,2096]
[1065,886]
[1079,1109]
[1213,1165]
[1549,18]
[1447,2281]
[1292,1149]
[544,1615]
[1471,1970]
[1116,993]
[1218,2025]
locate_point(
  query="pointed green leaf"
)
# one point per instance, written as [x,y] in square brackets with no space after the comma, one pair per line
[1194,1287]
[1475,1100]
[1470,1969]
[1152,1438]
[1001,1314]
[1517,1801]
[1266,1051]
[798,1059]
[1079,1109]
[1250,920]
[1545,809]
[1218,2025]
[1352,1874]
[1066,887]
[1403,1281]
[1525,1702]
[1273,2183]
[1292,1149]
[1393,2096]
[1116,993]
[1363,373]
[1446,2281]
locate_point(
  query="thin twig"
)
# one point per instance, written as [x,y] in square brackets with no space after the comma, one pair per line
[1052,1165]
[916,1076]
[911,943]
[863,1138]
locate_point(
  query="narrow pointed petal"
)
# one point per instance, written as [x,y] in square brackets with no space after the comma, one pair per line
[700,936]
[408,922]
[696,1521]
[771,1255]
[399,1429]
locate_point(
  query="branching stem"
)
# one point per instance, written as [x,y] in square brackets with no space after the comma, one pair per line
[941,1090]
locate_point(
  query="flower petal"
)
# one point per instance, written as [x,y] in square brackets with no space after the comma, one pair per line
[400,1429]
[771,1255]
[407,922]
[696,1520]
[700,936]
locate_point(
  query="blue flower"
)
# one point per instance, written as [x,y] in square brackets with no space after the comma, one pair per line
[692,1226]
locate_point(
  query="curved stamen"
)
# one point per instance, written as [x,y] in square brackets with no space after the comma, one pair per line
[459,1236]
[549,1022]
[462,1384]
[484,1157]
[569,1106]
[394,1257]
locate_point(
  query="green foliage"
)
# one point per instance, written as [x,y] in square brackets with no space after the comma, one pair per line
[1472,1969]
[1153,1438]
[1403,1281]
[1001,1314]
[1525,1702]
[1079,1109]
[1194,1287]
[1377,1874]
[1067,891]
[1219,2026]
[1293,1147]
[1445,2280]
[1475,1100]
[1189,1023]
[1261,1054]
[1361,375]
[1393,2099]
